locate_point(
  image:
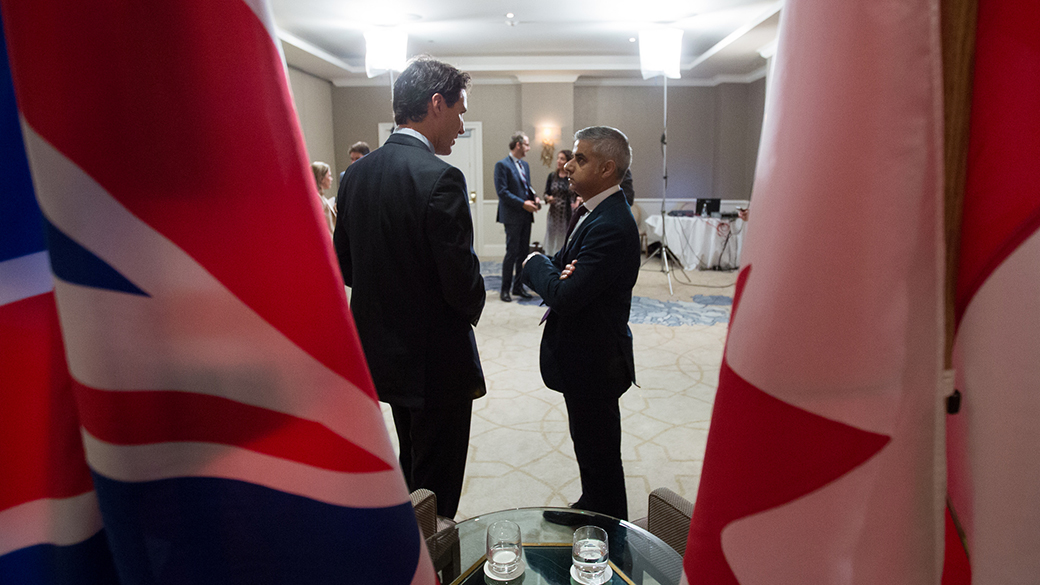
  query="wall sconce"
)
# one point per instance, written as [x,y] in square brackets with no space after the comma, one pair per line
[550,134]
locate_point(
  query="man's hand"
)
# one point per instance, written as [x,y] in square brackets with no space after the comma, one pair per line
[568,270]
[529,256]
[530,206]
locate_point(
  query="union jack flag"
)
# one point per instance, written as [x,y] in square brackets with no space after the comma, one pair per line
[228,418]
[50,524]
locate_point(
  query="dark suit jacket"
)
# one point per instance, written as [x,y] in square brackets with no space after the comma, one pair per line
[511,194]
[404,238]
[587,345]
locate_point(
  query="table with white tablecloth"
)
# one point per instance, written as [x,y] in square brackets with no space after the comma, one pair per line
[704,243]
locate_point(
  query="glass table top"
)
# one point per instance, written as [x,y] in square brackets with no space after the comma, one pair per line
[636,556]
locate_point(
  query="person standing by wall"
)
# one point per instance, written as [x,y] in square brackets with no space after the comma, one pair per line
[323,179]
[517,203]
[357,151]
[404,239]
[560,198]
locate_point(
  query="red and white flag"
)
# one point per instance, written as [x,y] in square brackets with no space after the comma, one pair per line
[994,445]
[823,460]
[229,420]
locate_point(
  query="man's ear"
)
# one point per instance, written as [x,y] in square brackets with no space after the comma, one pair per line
[609,168]
[437,104]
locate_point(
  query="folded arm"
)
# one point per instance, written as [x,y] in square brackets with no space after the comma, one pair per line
[588,275]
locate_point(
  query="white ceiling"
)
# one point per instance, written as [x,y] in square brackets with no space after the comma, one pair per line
[578,40]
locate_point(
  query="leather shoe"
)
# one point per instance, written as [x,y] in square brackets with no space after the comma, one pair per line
[565,517]
[522,293]
[505,297]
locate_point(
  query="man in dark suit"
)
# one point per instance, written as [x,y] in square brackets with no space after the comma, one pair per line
[404,239]
[517,203]
[586,350]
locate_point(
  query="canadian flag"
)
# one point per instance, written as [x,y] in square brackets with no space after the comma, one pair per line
[994,444]
[824,460]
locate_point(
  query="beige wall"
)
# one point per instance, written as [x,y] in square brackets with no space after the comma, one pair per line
[497,107]
[639,113]
[756,103]
[729,168]
[713,132]
[357,112]
[541,104]
[313,99]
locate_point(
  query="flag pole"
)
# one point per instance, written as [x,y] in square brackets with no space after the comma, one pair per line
[958,50]
[957,21]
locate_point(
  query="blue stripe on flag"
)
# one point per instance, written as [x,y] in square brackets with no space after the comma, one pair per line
[20,232]
[73,263]
[85,563]
[219,531]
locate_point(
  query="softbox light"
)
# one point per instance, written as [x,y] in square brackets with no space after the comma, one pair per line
[659,52]
[386,49]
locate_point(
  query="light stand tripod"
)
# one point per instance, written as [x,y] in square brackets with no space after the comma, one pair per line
[664,250]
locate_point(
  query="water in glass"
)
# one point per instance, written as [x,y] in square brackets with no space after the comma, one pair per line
[590,558]
[503,557]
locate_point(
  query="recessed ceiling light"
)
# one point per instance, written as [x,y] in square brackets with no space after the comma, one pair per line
[509,15]
[631,39]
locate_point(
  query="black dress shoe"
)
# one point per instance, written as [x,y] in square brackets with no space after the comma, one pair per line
[505,297]
[522,294]
[565,517]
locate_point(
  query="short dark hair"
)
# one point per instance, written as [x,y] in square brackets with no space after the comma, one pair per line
[609,143]
[360,147]
[567,154]
[516,138]
[421,79]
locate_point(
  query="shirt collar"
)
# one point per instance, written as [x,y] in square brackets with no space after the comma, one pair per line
[416,134]
[592,203]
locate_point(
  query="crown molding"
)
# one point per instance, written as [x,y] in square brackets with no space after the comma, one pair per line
[736,35]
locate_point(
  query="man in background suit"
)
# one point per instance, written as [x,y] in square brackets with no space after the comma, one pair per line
[404,239]
[517,203]
[357,151]
[586,350]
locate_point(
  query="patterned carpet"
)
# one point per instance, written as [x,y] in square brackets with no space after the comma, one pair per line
[700,310]
[520,450]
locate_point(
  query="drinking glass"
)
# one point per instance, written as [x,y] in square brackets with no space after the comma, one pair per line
[589,554]
[503,547]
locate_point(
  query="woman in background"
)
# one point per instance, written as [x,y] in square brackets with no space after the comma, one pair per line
[561,199]
[323,180]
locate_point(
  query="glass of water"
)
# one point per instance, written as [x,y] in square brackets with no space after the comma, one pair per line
[589,554]
[503,548]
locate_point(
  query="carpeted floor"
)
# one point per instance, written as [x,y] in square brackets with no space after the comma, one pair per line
[520,452]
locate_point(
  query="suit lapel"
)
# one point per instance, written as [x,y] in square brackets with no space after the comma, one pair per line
[579,232]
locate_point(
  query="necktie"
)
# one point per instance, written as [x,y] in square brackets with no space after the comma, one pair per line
[523,178]
[582,210]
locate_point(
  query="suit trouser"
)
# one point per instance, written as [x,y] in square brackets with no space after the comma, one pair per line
[434,440]
[595,425]
[518,244]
